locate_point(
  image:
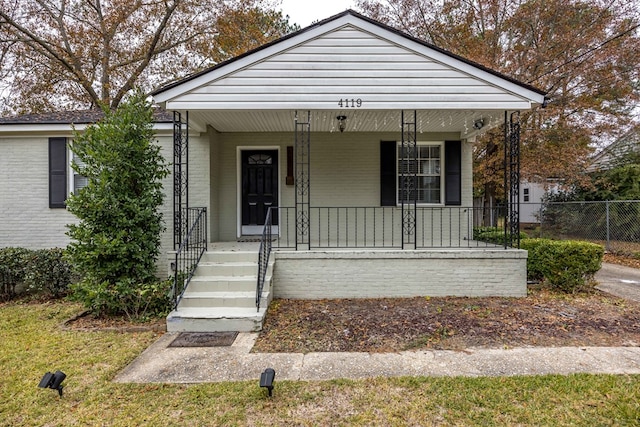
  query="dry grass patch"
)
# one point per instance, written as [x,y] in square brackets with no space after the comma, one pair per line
[543,318]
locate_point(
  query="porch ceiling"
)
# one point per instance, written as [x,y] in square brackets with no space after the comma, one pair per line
[461,121]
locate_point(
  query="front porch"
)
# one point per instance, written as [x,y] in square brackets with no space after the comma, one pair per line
[222,293]
[346,150]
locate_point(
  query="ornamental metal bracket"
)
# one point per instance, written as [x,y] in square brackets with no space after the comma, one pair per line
[302,174]
[408,179]
[512,178]
[180,176]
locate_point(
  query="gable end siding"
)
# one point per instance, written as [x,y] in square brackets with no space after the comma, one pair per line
[347,63]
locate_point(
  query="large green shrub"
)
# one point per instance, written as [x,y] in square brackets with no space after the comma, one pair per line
[564,264]
[117,240]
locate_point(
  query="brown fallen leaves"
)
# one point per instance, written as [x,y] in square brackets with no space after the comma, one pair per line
[622,260]
[543,318]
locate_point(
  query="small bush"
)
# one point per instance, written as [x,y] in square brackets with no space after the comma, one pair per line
[12,270]
[492,235]
[566,265]
[136,301]
[42,272]
[47,273]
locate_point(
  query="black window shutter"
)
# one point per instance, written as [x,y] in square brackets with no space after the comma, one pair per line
[57,172]
[388,176]
[453,173]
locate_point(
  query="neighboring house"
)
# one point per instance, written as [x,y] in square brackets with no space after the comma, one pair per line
[532,194]
[616,151]
[359,139]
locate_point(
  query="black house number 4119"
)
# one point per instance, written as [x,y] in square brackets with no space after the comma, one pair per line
[350,103]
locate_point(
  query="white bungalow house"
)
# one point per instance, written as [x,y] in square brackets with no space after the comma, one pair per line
[335,162]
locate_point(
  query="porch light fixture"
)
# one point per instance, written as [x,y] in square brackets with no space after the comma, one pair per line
[266,380]
[53,381]
[342,122]
[478,124]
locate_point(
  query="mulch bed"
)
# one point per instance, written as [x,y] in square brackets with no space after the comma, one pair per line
[543,318]
[89,323]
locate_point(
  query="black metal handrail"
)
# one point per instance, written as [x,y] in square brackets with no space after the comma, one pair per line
[190,251]
[264,253]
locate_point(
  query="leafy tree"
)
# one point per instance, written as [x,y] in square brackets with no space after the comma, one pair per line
[582,52]
[86,53]
[116,242]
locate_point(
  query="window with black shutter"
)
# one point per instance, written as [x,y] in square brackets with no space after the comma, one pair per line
[453,173]
[429,174]
[58,166]
[388,175]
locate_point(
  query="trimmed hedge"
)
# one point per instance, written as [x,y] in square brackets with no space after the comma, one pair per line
[567,265]
[492,235]
[12,270]
[42,272]
[47,273]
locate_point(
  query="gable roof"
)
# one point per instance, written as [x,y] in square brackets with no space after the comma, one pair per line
[614,152]
[296,68]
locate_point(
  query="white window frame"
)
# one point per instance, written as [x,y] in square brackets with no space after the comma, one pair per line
[71,181]
[442,171]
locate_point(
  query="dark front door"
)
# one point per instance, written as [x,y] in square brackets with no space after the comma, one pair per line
[259,188]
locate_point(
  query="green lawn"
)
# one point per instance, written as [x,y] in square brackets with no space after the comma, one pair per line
[32,342]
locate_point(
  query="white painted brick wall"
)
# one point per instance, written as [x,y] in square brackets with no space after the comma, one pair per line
[361,274]
[25,217]
[345,170]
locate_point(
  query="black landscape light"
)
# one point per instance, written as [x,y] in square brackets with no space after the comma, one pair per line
[53,381]
[266,379]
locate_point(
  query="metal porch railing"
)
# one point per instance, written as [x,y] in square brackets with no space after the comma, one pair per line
[381,227]
[190,251]
[264,253]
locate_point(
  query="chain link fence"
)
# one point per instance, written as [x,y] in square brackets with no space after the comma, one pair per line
[613,224]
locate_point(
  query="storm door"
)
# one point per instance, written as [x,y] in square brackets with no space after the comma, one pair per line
[259,189]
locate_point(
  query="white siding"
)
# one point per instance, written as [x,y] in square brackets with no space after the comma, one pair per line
[349,63]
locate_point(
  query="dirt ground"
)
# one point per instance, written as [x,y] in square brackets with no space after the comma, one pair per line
[543,318]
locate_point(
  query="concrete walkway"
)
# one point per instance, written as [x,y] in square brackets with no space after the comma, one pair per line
[163,364]
[620,281]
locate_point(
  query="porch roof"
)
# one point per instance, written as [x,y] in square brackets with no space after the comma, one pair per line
[347,65]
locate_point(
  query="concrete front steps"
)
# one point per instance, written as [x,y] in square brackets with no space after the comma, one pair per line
[221,295]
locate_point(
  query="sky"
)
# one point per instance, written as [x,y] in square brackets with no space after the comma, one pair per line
[304,12]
